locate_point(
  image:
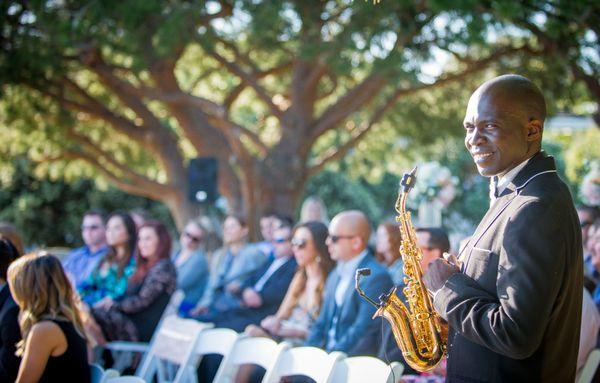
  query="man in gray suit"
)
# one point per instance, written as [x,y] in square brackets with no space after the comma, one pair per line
[513,296]
[345,323]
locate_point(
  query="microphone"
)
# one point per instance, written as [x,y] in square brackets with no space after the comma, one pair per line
[363,272]
[360,273]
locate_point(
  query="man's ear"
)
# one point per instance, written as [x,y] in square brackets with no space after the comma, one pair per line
[534,130]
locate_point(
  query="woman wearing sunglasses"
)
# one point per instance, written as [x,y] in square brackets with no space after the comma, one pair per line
[302,302]
[192,266]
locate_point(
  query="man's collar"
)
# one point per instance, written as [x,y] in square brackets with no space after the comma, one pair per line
[351,265]
[540,163]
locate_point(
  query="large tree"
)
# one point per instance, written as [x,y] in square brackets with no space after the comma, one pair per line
[275,90]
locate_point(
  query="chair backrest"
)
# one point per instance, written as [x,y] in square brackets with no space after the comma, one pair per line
[174,303]
[264,352]
[174,342]
[109,374]
[312,362]
[126,379]
[216,341]
[96,372]
[589,368]
[360,369]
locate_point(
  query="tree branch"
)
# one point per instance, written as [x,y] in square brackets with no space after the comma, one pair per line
[123,184]
[251,80]
[99,153]
[353,100]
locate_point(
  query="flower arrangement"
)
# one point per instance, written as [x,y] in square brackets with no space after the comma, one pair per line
[435,183]
[590,186]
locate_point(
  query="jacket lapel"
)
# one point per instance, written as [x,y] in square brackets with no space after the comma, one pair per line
[539,164]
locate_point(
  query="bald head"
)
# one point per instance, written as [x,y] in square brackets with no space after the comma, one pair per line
[354,222]
[516,93]
[503,123]
[349,233]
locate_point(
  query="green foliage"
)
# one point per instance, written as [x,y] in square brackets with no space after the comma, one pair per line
[48,212]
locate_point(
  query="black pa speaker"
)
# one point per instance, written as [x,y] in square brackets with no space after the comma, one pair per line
[202,179]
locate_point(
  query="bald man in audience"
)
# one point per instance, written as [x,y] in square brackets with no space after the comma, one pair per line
[345,322]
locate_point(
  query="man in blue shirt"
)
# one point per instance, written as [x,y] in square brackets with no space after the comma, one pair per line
[81,262]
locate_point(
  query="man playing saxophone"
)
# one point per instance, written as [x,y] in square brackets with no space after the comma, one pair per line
[514,303]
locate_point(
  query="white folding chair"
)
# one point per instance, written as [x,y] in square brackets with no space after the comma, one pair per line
[263,352]
[359,369]
[589,368]
[126,379]
[109,374]
[174,343]
[96,372]
[312,362]
[123,351]
[214,341]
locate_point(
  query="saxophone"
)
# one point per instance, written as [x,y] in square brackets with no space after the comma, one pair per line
[417,328]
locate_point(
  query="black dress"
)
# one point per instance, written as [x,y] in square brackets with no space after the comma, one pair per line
[72,365]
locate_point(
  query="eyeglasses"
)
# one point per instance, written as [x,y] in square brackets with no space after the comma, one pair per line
[191,237]
[90,227]
[335,238]
[280,240]
[299,243]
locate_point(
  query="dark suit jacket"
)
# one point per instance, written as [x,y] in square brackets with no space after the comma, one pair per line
[356,333]
[272,293]
[10,334]
[515,309]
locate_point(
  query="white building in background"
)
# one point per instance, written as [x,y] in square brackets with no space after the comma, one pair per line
[569,123]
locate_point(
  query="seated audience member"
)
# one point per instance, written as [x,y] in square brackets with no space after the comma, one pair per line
[231,264]
[302,302]
[10,334]
[190,263]
[80,263]
[594,248]
[314,209]
[109,279]
[261,294]
[388,249]
[10,232]
[54,346]
[587,215]
[433,243]
[134,316]
[590,326]
[268,223]
[345,322]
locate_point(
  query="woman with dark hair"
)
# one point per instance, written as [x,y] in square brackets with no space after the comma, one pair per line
[135,316]
[10,333]
[388,250]
[109,280]
[302,302]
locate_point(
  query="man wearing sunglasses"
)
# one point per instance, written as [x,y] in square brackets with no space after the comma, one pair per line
[262,292]
[345,323]
[80,263]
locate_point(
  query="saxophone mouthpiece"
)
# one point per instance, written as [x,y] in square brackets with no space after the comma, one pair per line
[408,180]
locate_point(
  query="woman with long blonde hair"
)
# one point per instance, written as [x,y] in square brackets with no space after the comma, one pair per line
[54,343]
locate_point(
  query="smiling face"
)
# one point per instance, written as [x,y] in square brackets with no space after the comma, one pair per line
[495,137]
[503,124]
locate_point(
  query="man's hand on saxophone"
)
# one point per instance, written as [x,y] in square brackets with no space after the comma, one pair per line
[439,271]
